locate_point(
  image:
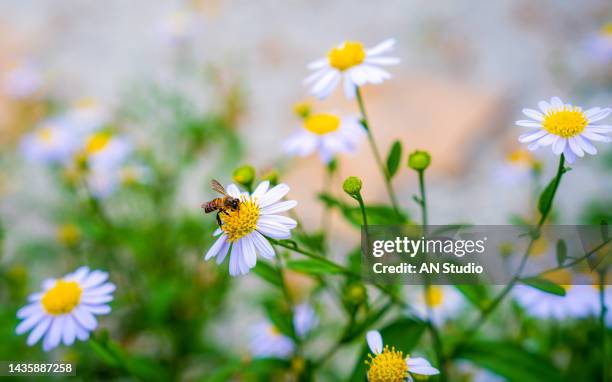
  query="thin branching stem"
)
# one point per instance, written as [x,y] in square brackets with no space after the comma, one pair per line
[381,165]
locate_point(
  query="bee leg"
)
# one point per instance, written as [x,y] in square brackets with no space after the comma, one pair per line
[219,220]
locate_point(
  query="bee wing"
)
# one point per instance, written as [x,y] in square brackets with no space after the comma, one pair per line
[216,186]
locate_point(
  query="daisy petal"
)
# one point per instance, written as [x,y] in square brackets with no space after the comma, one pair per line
[30,322]
[39,331]
[262,245]
[559,145]
[575,147]
[533,114]
[69,332]
[273,195]
[261,189]
[216,247]
[530,137]
[278,207]
[528,123]
[375,342]
[85,318]
[382,47]
[54,334]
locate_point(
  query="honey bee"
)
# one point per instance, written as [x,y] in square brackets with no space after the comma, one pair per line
[222,204]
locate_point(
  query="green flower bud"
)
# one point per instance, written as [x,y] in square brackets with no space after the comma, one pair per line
[355,293]
[271,176]
[244,175]
[419,160]
[352,186]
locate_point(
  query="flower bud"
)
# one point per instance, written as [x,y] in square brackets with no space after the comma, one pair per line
[244,175]
[68,234]
[271,176]
[419,160]
[302,109]
[352,186]
[355,294]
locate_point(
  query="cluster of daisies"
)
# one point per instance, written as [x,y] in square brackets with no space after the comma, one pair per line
[349,65]
[80,141]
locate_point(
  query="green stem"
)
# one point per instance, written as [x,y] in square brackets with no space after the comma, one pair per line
[382,288]
[485,313]
[435,335]
[602,323]
[383,169]
[364,215]
[423,200]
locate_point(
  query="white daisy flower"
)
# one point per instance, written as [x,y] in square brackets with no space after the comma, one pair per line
[517,167]
[351,63]
[391,365]
[243,232]
[326,133]
[579,300]
[22,81]
[304,319]
[445,303]
[268,342]
[88,115]
[65,310]
[599,45]
[50,142]
[178,26]
[567,128]
[105,150]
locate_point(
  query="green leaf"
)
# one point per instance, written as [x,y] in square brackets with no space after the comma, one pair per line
[561,252]
[378,214]
[546,197]
[313,267]
[267,273]
[477,294]
[394,158]
[511,362]
[404,334]
[544,285]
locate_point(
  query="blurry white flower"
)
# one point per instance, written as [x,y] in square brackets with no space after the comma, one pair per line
[599,45]
[351,63]
[326,133]
[51,142]
[243,232]
[388,364]
[88,115]
[268,342]
[105,150]
[579,300]
[66,308]
[135,174]
[21,81]
[445,303]
[304,319]
[178,26]
[567,128]
[517,166]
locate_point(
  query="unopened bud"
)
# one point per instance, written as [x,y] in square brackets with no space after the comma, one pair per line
[244,175]
[419,160]
[352,186]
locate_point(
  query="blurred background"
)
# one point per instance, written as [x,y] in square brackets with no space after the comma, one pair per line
[203,86]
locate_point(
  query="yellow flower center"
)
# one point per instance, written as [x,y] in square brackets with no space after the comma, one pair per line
[606,30]
[388,366]
[62,298]
[434,296]
[566,123]
[45,134]
[273,331]
[86,103]
[347,55]
[97,142]
[237,224]
[322,124]
[68,234]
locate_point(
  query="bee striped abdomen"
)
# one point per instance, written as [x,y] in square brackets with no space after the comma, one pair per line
[211,206]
